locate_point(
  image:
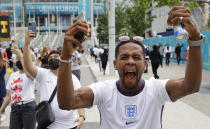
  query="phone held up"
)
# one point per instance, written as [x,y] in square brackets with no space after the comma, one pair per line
[32,26]
[80,36]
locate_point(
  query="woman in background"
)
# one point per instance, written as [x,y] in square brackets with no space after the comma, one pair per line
[3,63]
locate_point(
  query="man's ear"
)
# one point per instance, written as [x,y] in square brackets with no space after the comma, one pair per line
[115,64]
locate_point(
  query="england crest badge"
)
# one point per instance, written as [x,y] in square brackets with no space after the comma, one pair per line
[131,111]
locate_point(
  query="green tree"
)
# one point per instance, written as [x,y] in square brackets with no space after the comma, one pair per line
[102,29]
[120,20]
[208,24]
[136,23]
[130,17]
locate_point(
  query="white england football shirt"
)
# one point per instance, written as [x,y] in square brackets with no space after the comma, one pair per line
[142,110]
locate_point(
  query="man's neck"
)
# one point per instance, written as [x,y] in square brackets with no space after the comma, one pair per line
[55,72]
[21,71]
[124,89]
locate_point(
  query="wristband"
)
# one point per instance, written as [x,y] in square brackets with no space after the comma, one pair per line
[196,43]
[66,61]
[82,116]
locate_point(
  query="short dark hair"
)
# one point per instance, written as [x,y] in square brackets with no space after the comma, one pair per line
[54,52]
[128,41]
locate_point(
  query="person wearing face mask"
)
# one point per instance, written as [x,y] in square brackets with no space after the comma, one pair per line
[47,79]
[20,90]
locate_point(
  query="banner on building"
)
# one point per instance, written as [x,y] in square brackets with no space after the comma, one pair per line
[4,27]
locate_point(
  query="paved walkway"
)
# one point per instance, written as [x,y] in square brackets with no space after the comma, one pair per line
[191,112]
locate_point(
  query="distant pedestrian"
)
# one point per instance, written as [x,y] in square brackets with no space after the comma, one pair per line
[95,50]
[178,52]
[167,52]
[98,54]
[9,54]
[161,50]
[91,53]
[147,58]
[155,60]
[76,61]
[104,59]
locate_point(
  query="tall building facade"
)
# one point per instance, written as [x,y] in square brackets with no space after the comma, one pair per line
[48,12]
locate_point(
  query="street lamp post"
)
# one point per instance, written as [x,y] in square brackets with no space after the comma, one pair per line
[84,7]
[111,36]
[48,25]
[92,22]
[14,14]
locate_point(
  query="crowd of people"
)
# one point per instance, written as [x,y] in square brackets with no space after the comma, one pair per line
[27,67]
[158,53]
[129,102]
[100,55]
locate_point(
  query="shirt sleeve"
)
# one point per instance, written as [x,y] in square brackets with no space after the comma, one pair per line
[98,89]
[40,74]
[159,90]
[76,82]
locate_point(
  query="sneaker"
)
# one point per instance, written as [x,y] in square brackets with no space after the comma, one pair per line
[3,117]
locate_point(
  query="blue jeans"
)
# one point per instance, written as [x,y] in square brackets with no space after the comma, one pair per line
[23,116]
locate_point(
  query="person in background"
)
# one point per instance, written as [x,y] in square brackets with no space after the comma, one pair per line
[98,54]
[76,61]
[167,51]
[95,51]
[3,65]
[91,53]
[20,90]
[147,58]
[43,58]
[161,50]
[14,59]
[3,52]
[9,54]
[47,79]
[104,59]
[155,60]
[178,52]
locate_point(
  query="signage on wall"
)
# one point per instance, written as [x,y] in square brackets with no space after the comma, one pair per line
[4,27]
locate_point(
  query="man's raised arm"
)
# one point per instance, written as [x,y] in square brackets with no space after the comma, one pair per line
[28,65]
[67,97]
[178,88]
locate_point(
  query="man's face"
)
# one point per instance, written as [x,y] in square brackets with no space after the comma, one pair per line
[54,56]
[130,64]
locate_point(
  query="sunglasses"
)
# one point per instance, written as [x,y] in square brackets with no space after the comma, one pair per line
[127,38]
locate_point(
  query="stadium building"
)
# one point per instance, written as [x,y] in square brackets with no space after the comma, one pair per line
[48,12]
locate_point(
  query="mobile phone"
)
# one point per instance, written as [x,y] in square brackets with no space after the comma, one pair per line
[32,26]
[80,36]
